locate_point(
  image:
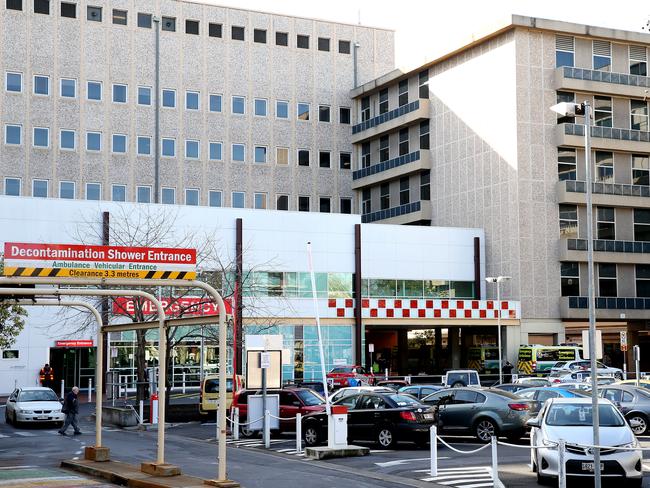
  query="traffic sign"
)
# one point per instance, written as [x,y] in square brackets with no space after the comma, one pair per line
[623,340]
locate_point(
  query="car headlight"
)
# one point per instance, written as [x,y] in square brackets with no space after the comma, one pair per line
[28,412]
[634,444]
[546,442]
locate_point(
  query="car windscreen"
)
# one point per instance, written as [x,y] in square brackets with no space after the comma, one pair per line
[575,415]
[342,370]
[212,386]
[559,364]
[310,398]
[37,396]
[404,400]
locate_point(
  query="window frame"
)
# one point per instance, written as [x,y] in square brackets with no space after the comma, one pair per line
[214,193]
[120,11]
[265,103]
[145,88]
[74,190]
[265,202]
[303,104]
[308,197]
[218,97]
[196,93]
[173,194]
[642,118]
[565,276]
[162,98]
[126,93]
[126,143]
[162,147]
[277,104]
[321,200]
[263,37]
[190,25]
[137,193]
[348,200]
[74,140]
[34,129]
[348,165]
[101,142]
[94,8]
[404,190]
[14,180]
[284,196]
[639,226]
[232,152]
[15,73]
[609,114]
[281,38]
[303,150]
[114,187]
[607,280]
[99,187]
[34,92]
[20,135]
[100,84]
[232,104]
[47,187]
[602,168]
[645,171]
[266,154]
[232,198]
[327,109]
[573,224]
[403,94]
[137,144]
[215,143]
[302,39]
[74,87]
[190,191]
[238,28]
[198,149]
[600,221]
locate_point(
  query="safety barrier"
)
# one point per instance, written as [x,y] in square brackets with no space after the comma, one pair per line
[236,424]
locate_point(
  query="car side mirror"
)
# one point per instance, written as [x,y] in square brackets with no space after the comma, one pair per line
[533,423]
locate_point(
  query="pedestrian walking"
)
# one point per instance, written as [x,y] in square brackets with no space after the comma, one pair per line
[507,371]
[46,375]
[71,410]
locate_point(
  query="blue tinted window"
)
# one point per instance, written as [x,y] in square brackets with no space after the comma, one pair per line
[168,196]
[67,139]
[238,199]
[215,199]
[119,93]
[13,134]
[563,58]
[94,90]
[94,141]
[169,98]
[119,193]
[12,187]
[238,152]
[143,194]
[602,62]
[119,143]
[144,145]
[68,88]
[41,137]
[215,103]
[144,95]
[260,154]
[66,189]
[215,151]
[191,197]
[39,188]
[93,191]
[282,110]
[303,111]
[169,147]
[41,85]
[14,82]
[260,107]
[192,149]
[238,105]
[192,100]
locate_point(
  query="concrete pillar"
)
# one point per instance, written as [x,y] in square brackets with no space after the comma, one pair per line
[437,349]
[403,348]
[511,337]
[454,348]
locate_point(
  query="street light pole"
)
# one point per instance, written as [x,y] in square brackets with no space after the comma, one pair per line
[498,280]
[156,186]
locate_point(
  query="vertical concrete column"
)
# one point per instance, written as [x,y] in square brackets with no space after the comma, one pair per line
[454,348]
[511,336]
[437,349]
[403,348]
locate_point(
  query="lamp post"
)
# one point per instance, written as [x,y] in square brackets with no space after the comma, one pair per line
[498,280]
[156,185]
[573,109]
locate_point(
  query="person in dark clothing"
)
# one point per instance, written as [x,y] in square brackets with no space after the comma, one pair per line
[507,372]
[71,410]
[46,375]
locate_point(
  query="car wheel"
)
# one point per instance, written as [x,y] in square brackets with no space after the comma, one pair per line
[312,436]
[638,423]
[385,437]
[14,421]
[7,419]
[458,384]
[485,429]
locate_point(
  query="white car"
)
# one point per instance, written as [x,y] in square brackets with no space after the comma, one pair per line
[353,390]
[33,404]
[532,381]
[570,419]
[581,376]
[565,367]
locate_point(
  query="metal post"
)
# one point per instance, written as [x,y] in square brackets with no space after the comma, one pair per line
[183,382]
[637,363]
[561,473]
[495,462]
[156,22]
[592,296]
[499,332]
[235,423]
[433,440]
[90,390]
[298,432]
[267,431]
[201,358]
[62,388]
[141,411]
[265,421]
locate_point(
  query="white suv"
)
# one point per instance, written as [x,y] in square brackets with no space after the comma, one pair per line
[562,368]
[461,377]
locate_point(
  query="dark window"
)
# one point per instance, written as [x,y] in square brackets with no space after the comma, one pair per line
[120,16]
[346,205]
[345,160]
[344,47]
[323,113]
[403,97]
[569,97]
[94,14]
[423,84]
[606,223]
[215,30]
[570,277]
[302,41]
[424,135]
[366,206]
[259,35]
[384,153]
[564,50]
[192,27]
[42,7]
[69,10]
[425,185]
[568,220]
[365,109]
[384,196]
[303,157]
[323,44]
[324,159]
[237,33]
[603,111]
[639,115]
[642,224]
[403,141]
[14,4]
[404,191]
[640,169]
[638,61]
[144,20]
[344,115]
[282,202]
[169,24]
[643,280]
[566,163]
[465,396]
[303,204]
[365,155]
[281,39]
[383,101]
[606,280]
[325,205]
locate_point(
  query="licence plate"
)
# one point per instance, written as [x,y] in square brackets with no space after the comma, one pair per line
[590,466]
[42,417]
[213,402]
[428,416]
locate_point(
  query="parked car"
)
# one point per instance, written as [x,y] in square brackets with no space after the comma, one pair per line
[483,412]
[461,377]
[582,377]
[292,401]
[353,390]
[386,418]
[420,391]
[562,368]
[643,383]
[317,386]
[392,384]
[209,395]
[574,385]
[341,376]
[571,419]
[530,381]
[542,393]
[511,387]
[33,404]
[633,402]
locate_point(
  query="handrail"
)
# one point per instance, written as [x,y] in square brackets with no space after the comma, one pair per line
[385,117]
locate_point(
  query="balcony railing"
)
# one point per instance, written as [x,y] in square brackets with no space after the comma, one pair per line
[606,77]
[602,245]
[380,119]
[575,186]
[608,132]
[391,212]
[386,165]
[611,303]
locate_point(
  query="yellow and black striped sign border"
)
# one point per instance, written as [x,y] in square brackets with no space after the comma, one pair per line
[98,273]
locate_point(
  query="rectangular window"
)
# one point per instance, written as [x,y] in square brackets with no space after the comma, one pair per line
[94,90]
[215,30]
[14,4]
[215,103]
[281,39]
[323,44]
[423,84]
[569,97]
[259,201]
[192,100]
[237,33]
[365,109]
[144,20]
[68,88]
[169,24]
[118,193]
[192,149]
[425,185]
[345,205]
[260,154]
[119,144]
[214,198]
[384,196]
[282,202]
[606,223]
[168,147]
[119,17]
[366,206]
[238,199]
[403,93]
[39,188]
[323,113]
[119,93]
[325,205]
[67,190]
[383,101]
[607,280]
[143,194]
[216,151]
[303,204]
[12,187]
[282,109]
[424,135]
[41,137]
[259,35]
[144,95]
[13,134]
[643,280]
[41,85]
[303,111]
[144,145]
[192,196]
[604,166]
[365,155]
[404,191]
[303,157]
[384,149]
[192,27]
[94,14]
[403,141]
[14,82]
[93,191]
[345,160]
[638,60]
[639,115]
[344,47]
[238,105]
[302,41]
[603,111]
[282,156]
[640,169]
[239,152]
[324,159]
[168,196]
[564,50]
[42,7]
[260,105]
[93,141]
[344,115]
[569,221]
[566,163]
[602,59]
[67,140]
[570,279]
[642,224]
[169,98]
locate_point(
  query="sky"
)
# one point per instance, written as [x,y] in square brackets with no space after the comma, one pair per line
[425,29]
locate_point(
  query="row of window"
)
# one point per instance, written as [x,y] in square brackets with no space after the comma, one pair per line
[606,281]
[383,106]
[604,166]
[404,145]
[601,58]
[405,197]
[168,98]
[605,223]
[192,26]
[144,194]
[603,111]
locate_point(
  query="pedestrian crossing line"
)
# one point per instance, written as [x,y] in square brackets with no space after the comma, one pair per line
[25,434]
[3,436]
[467,477]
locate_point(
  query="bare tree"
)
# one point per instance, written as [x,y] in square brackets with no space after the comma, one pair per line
[12,317]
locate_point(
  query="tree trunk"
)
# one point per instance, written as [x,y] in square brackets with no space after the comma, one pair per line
[141,365]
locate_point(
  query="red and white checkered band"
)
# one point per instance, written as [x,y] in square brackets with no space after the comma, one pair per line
[399,308]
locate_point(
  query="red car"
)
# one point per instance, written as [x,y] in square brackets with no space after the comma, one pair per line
[292,401]
[340,376]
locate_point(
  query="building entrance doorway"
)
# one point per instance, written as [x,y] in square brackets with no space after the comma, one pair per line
[74,365]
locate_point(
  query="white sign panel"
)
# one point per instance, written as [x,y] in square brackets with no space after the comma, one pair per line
[256,413]
[371,348]
[260,342]
[599,344]
[265,360]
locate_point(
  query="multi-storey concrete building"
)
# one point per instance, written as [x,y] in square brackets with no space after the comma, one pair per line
[469,140]
[255,106]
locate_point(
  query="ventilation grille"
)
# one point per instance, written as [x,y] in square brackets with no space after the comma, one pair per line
[602,48]
[564,43]
[638,53]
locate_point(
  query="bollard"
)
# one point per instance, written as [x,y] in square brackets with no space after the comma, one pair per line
[90,390]
[141,411]
[267,431]
[433,439]
[386,375]
[495,463]
[533,452]
[153,415]
[561,472]
[62,389]
[183,382]
[298,433]
[235,423]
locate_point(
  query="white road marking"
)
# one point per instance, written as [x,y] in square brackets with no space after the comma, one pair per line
[401,461]
[2,436]
[25,434]
[17,467]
